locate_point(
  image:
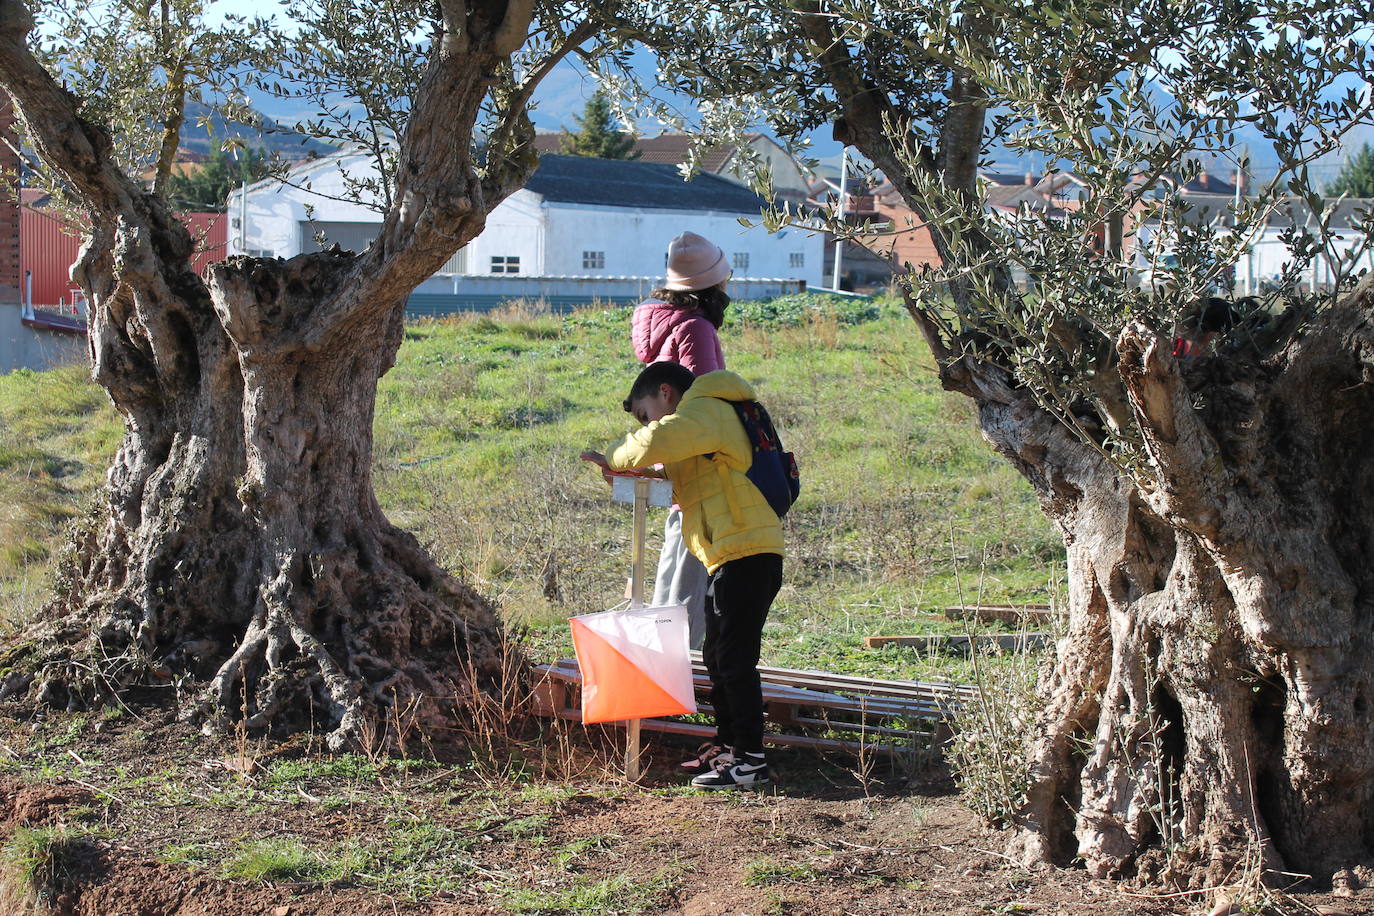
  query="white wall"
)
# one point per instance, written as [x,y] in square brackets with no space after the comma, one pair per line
[1268,256]
[515,228]
[275,211]
[635,241]
[23,347]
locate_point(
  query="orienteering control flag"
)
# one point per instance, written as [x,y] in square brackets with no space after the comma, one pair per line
[635,664]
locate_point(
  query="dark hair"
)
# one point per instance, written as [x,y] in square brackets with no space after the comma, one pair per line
[1210,315]
[712,301]
[1217,315]
[656,374]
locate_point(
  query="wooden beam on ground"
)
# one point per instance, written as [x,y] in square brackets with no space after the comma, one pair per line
[1008,642]
[1003,613]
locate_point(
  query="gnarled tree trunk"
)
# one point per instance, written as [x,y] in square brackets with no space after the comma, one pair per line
[1209,705]
[240,543]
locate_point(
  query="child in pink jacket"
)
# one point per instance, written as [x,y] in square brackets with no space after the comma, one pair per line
[678,324]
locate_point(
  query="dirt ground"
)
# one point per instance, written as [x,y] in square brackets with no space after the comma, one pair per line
[128,813]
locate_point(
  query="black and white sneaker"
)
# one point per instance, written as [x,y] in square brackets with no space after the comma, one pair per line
[705,760]
[746,772]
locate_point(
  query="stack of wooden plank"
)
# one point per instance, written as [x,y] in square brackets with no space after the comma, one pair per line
[805,708]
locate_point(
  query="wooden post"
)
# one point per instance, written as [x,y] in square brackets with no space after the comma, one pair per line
[637,547]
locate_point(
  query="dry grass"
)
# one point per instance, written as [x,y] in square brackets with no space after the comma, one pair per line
[477,434]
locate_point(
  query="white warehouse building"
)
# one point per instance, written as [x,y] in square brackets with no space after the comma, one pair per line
[581,229]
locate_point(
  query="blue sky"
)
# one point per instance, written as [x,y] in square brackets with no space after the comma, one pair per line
[560,97]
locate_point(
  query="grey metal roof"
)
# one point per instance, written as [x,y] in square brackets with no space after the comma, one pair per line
[1350,211]
[650,185]
[1217,209]
[1010,197]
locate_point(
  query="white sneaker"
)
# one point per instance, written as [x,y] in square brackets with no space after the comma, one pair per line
[746,772]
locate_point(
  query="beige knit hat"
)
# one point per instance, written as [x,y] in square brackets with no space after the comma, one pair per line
[694,263]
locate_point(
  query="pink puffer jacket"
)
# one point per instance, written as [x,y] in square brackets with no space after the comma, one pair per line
[661,332]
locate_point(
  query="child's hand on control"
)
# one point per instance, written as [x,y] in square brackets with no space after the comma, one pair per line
[599,460]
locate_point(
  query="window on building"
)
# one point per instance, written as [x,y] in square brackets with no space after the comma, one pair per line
[740,260]
[593,260]
[505,264]
[319,235]
[796,259]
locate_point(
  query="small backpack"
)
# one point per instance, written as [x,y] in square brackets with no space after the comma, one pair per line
[773,470]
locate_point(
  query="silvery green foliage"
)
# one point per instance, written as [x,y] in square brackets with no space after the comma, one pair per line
[358,64]
[1132,99]
[135,66]
[355,64]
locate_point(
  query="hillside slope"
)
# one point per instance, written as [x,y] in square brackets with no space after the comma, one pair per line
[903,506]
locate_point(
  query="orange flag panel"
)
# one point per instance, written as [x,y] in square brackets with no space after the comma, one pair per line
[613,687]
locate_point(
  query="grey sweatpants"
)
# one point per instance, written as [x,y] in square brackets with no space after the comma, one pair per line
[681,578]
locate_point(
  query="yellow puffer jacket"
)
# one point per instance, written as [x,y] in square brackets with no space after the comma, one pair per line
[705,452]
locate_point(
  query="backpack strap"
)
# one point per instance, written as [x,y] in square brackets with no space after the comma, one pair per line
[726,483]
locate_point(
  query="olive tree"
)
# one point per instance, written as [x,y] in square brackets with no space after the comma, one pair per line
[1210,702]
[238,549]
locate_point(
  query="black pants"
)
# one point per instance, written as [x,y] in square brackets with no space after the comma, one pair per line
[737,602]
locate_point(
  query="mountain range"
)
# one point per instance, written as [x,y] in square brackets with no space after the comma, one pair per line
[205,128]
[564,93]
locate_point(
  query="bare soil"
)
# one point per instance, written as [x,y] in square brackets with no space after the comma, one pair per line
[157,820]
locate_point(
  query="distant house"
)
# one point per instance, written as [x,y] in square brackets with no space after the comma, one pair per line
[906,239]
[1207,183]
[866,262]
[903,240]
[580,229]
[1265,259]
[790,180]
[1062,189]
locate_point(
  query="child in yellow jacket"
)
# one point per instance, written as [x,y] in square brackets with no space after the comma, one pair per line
[690,428]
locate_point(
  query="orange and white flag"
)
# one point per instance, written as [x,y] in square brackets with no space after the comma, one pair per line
[635,664]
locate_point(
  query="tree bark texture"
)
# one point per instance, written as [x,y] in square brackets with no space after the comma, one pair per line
[1209,705]
[239,548]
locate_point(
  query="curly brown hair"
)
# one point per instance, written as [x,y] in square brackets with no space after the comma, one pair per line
[712,301]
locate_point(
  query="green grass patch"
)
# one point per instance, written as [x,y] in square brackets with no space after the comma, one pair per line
[195,855]
[268,860]
[348,767]
[904,508]
[41,860]
[618,895]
